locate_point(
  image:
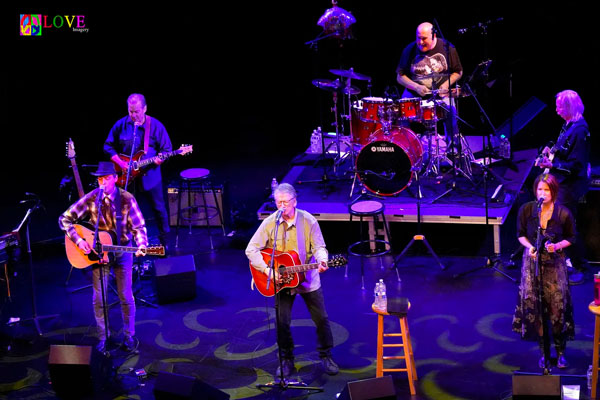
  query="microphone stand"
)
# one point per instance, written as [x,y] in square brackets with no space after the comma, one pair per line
[34,317]
[540,292]
[97,246]
[490,262]
[283,384]
[135,126]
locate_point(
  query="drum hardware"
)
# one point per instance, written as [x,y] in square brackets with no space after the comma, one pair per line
[350,74]
[335,86]
[419,236]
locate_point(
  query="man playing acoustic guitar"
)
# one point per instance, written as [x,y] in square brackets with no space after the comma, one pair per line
[298,231]
[132,225]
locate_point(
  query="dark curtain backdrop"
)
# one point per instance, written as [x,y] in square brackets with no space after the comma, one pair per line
[234,80]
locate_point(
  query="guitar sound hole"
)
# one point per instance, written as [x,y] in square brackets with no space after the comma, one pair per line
[287,278]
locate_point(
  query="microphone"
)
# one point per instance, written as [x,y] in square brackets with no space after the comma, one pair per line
[279,213]
[540,201]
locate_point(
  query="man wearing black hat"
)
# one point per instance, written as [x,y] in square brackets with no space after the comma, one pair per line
[100,206]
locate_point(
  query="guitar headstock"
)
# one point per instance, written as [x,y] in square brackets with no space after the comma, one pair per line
[70,149]
[185,149]
[337,260]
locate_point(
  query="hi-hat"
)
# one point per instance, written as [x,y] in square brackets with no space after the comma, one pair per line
[335,86]
[326,84]
[350,74]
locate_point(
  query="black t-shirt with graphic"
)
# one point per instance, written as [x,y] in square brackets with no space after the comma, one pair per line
[416,64]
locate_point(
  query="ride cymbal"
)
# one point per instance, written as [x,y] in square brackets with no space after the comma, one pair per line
[350,74]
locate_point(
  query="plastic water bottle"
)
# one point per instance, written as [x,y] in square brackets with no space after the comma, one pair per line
[376,301]
[274,185]
[382,295]
[589,377]
[504,147]
[316,146]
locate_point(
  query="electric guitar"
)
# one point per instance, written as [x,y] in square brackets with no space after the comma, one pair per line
[71,156]
[549,156]
[80,260]
[291,272]
[136,163]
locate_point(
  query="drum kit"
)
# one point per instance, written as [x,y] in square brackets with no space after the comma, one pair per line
[385,151]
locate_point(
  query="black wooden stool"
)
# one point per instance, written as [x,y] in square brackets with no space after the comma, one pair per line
[371,210]
[197,178]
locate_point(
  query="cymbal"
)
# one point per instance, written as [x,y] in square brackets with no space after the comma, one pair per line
[350,74]
[326,84]
[335,86]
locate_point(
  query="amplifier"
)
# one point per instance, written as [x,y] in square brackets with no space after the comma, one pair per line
[195,194]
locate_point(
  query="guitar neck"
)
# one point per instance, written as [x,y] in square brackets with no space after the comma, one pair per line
[77,178]
[120,249]
[298,268]
[160,156]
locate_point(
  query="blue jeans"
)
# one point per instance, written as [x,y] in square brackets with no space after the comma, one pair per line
[122,268]
[316,306]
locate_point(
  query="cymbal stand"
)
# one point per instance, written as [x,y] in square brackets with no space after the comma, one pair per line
[433,162]
[459,157]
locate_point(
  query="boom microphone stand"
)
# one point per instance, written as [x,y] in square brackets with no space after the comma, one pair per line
[490,262]
[26,220]
[283,384]
[418,236]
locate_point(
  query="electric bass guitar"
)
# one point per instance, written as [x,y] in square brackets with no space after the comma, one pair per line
[136,163]
[71,156]
[291,272]
[80,260]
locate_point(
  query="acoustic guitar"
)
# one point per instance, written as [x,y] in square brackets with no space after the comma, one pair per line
[136,163]
[291,271]
[80,260]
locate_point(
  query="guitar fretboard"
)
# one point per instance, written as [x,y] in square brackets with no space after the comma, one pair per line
[298,268]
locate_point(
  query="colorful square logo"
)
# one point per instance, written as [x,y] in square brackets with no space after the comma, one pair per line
[31,24]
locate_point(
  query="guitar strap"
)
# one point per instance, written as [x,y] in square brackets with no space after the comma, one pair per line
[147,133]
[300,237]
[119,216]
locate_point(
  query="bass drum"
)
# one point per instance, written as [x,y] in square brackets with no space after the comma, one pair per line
[385,164]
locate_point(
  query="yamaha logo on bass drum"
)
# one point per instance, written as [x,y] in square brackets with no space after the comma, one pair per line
[382,149]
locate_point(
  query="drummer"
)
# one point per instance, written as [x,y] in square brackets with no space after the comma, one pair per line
[423,70]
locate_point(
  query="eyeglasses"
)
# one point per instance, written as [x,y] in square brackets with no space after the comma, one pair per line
[286,202]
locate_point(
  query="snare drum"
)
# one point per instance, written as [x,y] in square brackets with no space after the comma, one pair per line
[431,112]
[385,164]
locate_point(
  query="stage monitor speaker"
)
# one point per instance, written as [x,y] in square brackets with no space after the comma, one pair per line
[197,200]
[175,278]
[173,386]
[545,387]
[70,370]
[374,388]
